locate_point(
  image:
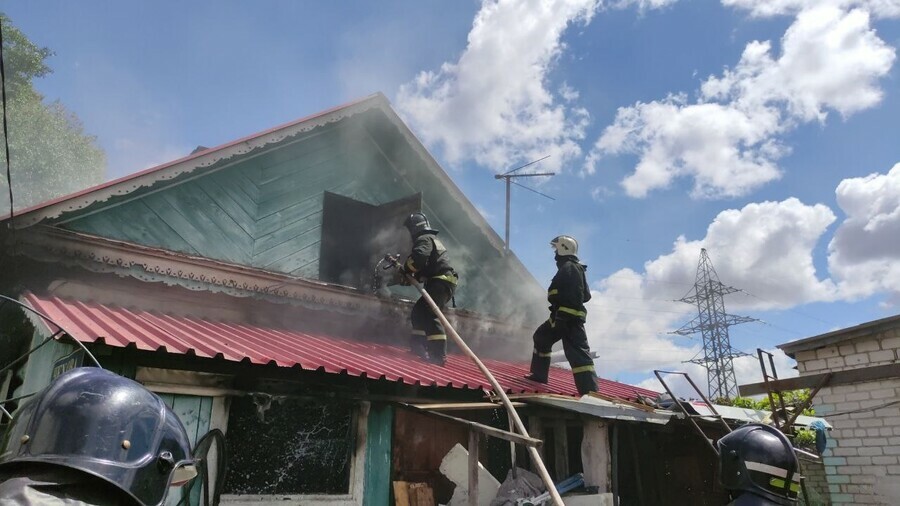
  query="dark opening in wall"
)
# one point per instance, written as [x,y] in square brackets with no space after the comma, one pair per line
[292,446]
[356,235]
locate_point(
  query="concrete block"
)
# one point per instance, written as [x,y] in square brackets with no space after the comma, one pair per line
[845,452]
[815,365]
[589,500]
[875,422]
[893,470]
[882,356]
[875,441]
[887,492]
[834,399]
[828,352]
[889,343]
[834,461]
[851,470]
[837,479]
[862,479]
[894,440]
[842,499]
[843,389]
[884,460]
[869,345]
[891,450]
[845,424]
[850,442]
[837,362]
[872,450]
[856,359]
[884,393]
[858,396]
[803,356]
[847,349]
[859,461]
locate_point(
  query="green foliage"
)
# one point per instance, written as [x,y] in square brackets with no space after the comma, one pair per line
[50,154]
[792,398]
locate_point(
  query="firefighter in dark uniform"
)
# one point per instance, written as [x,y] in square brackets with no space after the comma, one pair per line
[567,294]
[429,263]
[758,466]
[93,438]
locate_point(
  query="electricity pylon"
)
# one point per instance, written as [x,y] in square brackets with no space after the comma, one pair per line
[712,323]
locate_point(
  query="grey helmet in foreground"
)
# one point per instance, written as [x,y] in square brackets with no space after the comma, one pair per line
[96,422]
[417,224]
[758,462]
[564,245]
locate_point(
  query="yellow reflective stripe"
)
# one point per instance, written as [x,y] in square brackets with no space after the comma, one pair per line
[538,353]
[552,292]
[582,368]
[448,278]
[575,312]
[409,265]
[437,337]
[779,483]
[418,332]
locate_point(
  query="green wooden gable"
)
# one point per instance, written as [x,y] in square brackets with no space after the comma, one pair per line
[263,207]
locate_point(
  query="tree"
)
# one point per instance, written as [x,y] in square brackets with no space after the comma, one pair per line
[50,154]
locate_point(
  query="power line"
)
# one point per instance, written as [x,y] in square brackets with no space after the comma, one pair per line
[5,126]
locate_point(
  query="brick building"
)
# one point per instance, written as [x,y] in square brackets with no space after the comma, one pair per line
[859,374]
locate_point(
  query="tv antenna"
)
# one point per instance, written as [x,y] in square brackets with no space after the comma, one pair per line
[509,176]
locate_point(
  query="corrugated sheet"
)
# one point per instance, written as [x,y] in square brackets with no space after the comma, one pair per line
[116,326]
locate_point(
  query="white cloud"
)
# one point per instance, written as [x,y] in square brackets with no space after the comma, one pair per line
[766,8]
[864,255]
[764,248]
[728,141]
[493,105]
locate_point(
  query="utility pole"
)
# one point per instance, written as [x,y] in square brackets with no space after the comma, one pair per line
[509,176]
[712,323]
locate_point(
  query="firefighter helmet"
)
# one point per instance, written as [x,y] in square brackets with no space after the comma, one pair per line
[564,245]
[417,223]
[111,427]
[759,460]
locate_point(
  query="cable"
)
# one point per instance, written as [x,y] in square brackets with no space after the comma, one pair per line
[5,127]
[58,326]
[861,410]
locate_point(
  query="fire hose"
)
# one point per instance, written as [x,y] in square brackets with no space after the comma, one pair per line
[514,416]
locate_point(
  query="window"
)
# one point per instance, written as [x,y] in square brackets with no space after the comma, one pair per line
[289,446]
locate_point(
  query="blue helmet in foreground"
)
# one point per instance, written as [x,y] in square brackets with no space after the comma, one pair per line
[108,426]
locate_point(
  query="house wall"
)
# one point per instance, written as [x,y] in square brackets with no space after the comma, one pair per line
[862,460]
[815,482]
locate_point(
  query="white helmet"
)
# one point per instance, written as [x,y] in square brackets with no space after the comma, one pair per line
[565,245]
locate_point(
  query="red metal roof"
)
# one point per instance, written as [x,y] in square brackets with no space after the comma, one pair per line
[117,326]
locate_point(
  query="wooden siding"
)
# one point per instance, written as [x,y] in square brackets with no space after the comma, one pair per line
[265,212]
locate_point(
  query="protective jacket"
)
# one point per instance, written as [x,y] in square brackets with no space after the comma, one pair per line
[429,259]
[569,289]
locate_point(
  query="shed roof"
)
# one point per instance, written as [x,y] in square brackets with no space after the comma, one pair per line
[149,331]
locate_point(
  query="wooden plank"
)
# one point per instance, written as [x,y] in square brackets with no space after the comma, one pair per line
[201,213]
[457,406]
[304,205]
[302,185]
[241,207]
[292,254]
[473,468]
[302,217]
[379,434]
[484,429]
[874,373]
[420,494]
[401,493]
[561,449]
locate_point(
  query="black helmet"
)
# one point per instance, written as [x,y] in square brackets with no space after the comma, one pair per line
[418,224]
[100,423]
[760,460]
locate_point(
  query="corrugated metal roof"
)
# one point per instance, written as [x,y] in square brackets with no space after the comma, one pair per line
[120,327]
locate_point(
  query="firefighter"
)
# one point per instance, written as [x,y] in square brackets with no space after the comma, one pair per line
[567,294]
[758,467]
[429,263]
[93,438]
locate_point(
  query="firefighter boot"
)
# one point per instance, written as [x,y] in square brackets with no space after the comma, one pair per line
[437,350]
[417,346]
[540,367]
[585,380]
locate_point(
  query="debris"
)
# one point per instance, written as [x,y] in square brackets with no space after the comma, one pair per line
[455,467]
[526,484]
[413,494]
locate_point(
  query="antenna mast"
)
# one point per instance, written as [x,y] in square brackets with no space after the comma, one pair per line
[509,176]
[712,323]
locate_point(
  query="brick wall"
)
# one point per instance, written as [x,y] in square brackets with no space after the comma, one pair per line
[862,460]
[815,482]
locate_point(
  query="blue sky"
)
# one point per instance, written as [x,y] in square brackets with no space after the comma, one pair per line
[763,130]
